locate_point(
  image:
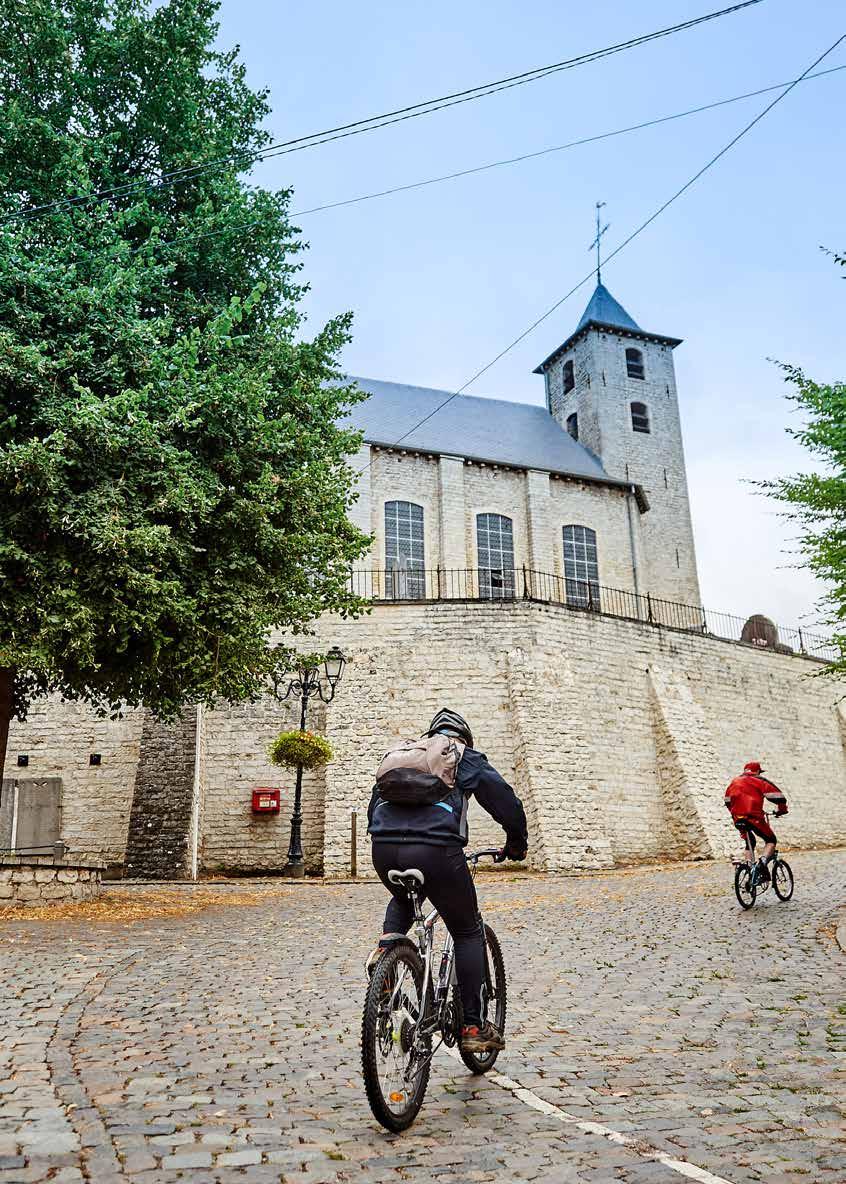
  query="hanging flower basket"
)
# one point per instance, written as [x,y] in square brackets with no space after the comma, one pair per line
[304,749]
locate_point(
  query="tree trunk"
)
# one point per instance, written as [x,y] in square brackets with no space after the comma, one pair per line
[7,680]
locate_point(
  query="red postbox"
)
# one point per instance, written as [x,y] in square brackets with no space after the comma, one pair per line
[267,801]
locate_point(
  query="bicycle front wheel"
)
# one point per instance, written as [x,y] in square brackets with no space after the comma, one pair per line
[395,1061]
[494,1002]
[744,886]
[782,880]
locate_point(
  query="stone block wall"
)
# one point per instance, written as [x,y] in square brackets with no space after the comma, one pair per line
[620,737]
[25,883]
[161,819]
[59,739]
[234,762]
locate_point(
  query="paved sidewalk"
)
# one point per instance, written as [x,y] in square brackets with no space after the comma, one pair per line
[223,1045]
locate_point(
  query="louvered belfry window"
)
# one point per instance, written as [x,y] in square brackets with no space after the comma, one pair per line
[495,542]
[640,418]
[405,553]
[634,364]
[569,376]
[573,425]
[581,567]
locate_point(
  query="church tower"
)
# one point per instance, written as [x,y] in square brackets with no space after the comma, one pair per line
[612,386]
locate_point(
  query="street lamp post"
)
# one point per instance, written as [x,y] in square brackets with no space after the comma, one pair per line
[310,680]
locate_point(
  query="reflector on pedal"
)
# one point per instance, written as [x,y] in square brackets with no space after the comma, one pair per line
[396,1096]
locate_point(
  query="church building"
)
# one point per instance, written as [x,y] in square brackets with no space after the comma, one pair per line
[532,567]
[589,492]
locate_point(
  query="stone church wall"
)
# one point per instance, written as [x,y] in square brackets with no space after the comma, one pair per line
[453,493]
[620,738]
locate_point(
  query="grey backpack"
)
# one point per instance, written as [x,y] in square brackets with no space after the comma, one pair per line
[419,772]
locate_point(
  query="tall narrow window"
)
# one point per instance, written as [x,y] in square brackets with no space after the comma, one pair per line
[640,418]
[405,557]
[573,425]
[569,376]
[581,568]
[495,542]
[634,363]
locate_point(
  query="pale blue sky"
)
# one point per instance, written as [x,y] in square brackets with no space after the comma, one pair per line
[441,279]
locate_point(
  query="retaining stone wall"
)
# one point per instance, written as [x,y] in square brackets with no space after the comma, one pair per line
[26,883]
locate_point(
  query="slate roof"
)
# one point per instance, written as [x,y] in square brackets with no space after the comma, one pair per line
[492,430]
[603,308]
[604,312]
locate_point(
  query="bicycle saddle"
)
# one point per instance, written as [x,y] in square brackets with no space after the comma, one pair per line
[410,873]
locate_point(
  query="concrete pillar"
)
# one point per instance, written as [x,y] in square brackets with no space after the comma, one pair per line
[453,538]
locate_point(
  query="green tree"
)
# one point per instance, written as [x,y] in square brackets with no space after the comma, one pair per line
[816,501]
[173,481]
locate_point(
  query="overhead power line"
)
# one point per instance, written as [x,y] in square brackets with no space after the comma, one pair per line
[495,164]
[252,224]
[372,123]
[621,247]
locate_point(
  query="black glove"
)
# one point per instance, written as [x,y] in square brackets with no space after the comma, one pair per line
[514,851]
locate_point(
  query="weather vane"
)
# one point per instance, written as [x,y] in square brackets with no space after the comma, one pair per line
[596,242]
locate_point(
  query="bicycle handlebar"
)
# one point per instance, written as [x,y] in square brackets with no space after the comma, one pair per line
[495,853]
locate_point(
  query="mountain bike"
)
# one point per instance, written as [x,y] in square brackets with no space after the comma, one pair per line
[748,880]
[411,1009]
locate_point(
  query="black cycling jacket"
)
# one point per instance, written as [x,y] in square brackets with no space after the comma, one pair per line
[445,823]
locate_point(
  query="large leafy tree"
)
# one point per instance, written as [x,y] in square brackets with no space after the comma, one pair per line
[173,482]
[816,501]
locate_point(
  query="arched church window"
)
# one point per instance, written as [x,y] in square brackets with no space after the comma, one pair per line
[495,544]
[581,567]
[405,555]
[640,418]
[569,376]
[573,425]
[634,363]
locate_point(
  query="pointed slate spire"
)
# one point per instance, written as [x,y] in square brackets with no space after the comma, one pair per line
[605,310]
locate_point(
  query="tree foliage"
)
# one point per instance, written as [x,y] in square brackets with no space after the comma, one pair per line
[173,482]
[816,501]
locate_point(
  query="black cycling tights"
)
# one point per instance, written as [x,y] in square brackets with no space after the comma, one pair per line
[449,886]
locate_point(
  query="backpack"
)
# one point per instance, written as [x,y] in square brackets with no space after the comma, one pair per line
[419,772]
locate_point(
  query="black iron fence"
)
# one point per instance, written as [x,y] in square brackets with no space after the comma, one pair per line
[503,584]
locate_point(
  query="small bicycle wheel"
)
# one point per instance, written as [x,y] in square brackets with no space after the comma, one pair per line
[744,887]
[395,1074]
[494,1002]
[782,878]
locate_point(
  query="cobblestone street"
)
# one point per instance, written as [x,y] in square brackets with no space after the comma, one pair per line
[223,1045]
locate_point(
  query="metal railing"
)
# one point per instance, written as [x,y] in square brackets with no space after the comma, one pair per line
[396,585]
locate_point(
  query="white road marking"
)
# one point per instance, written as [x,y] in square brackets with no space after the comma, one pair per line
[690,1170]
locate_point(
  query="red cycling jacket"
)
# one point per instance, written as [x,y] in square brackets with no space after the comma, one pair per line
[746,795]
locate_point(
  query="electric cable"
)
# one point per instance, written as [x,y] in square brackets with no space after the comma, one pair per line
[626,241]
[372,123]
[239,227]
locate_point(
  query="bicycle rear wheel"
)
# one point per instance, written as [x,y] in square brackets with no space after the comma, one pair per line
[744,886]
[494,1003]
[395,1075]
[782,880]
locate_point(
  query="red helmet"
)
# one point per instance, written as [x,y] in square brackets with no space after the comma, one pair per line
[752,767]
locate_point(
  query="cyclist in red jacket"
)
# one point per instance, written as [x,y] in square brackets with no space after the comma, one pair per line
[745,798]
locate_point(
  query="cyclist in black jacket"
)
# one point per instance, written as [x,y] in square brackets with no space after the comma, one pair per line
[431,838]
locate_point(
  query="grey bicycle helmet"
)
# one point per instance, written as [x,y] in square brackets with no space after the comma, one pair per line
[450,723]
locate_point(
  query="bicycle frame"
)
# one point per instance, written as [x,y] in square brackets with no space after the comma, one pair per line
[434,998]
